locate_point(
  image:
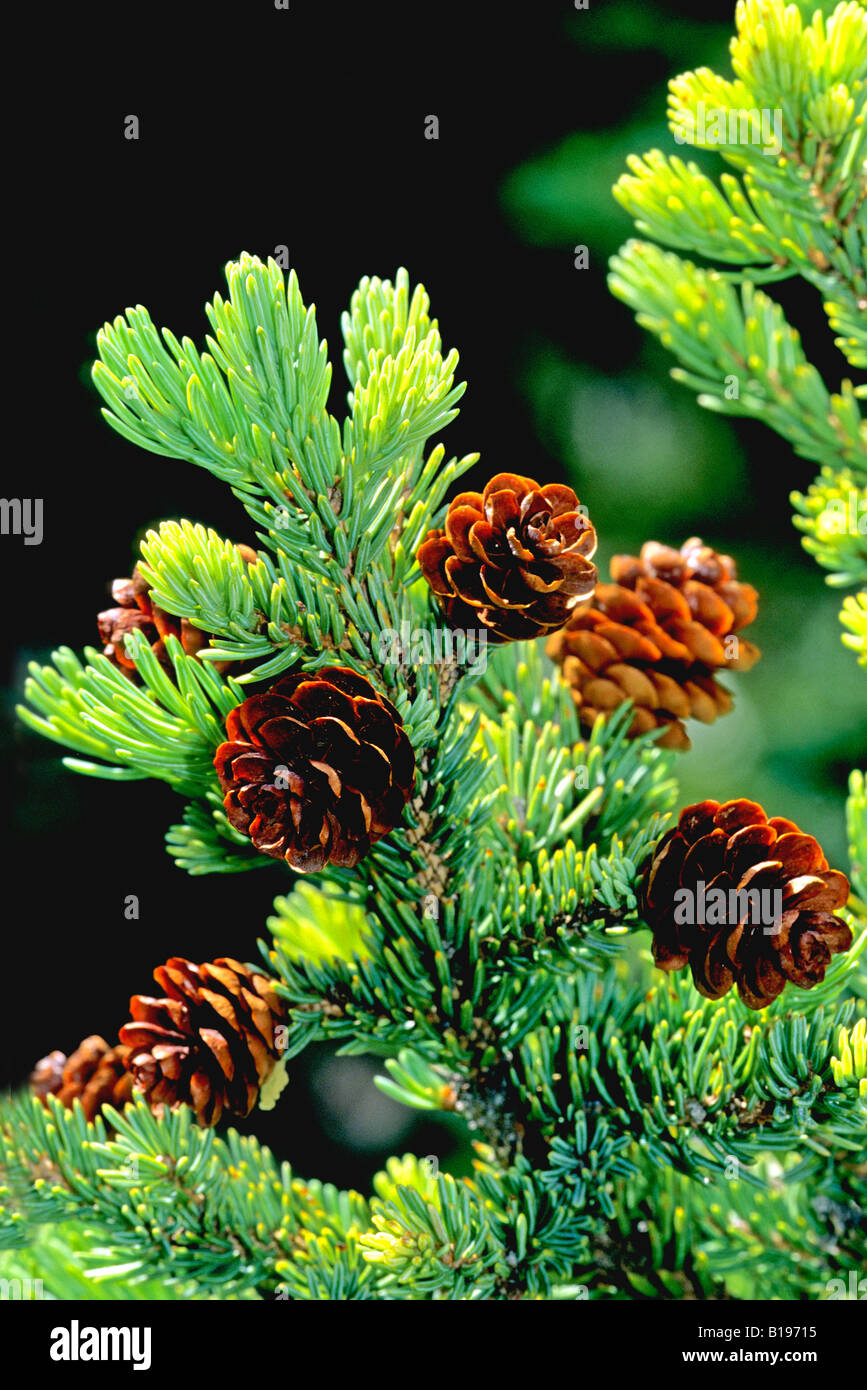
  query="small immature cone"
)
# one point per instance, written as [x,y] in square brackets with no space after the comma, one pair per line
[734,846]
[514,560]
[316,769]
[95,1074]
[658,635]
[136,611]
[209,1042]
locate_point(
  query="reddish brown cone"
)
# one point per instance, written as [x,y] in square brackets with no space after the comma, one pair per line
[657,636]
[136,611]
[785,935]
[316,769]
[95,1074]
[210,1042]
[514,560]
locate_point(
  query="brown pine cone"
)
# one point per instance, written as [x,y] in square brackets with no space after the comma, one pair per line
[514,560]
[95,1074]
[656,636]
[785,936]
[210,1042]
[316,769]
[136,610]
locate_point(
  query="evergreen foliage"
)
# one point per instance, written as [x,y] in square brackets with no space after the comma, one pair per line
[791,123]
[633,1139]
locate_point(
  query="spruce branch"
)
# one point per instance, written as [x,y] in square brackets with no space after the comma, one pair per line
[162,729]
[798,207]
[205,843]
[721,338]
[171,1200]
[833,516]
[853,616]
[253,409]
[486,948]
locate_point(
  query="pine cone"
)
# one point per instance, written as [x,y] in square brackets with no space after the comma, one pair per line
[758,945]
[514,560]
[95,1074]
[656,636]
[316,769]
[136,611]
[210,1043]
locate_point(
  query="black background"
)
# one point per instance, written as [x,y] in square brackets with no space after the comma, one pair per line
[258,128]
